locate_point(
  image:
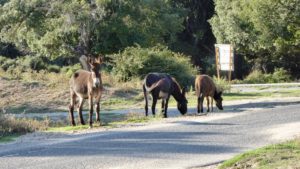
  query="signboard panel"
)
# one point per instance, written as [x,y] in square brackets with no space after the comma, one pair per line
[224,57]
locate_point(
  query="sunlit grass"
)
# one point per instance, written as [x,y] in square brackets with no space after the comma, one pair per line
[67,128]
[9,138]
[284,155]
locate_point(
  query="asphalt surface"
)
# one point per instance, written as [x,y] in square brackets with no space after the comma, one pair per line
[184,142]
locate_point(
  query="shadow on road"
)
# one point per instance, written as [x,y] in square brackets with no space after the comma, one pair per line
[237,108]
[145,144]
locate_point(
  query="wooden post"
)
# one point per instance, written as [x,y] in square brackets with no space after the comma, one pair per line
[217,61]
[230,63]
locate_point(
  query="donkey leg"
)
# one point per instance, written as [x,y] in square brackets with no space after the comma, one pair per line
[198,105]
[98,112]
[146,100]
[154,101]
[201,103]
[71,108]
[166,107]
[80,103]
[212,104]
[91,111]
[207,102]
[163,111]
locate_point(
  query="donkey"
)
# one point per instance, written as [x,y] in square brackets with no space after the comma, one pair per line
[86,84]
[205,87]
[161,86]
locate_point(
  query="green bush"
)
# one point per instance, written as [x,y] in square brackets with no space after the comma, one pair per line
[136,62]
[222,84]
[279,75]
[53,68]
[32,62]
[8,64]
[2,59]
[70,70]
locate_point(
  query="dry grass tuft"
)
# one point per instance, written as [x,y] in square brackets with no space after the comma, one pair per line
[10,125]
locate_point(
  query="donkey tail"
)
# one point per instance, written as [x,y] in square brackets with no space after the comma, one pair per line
[146,99]
[148,86]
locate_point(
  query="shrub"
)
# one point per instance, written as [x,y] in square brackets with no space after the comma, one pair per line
[281,75]
[32,62]
[222,84]
[2,59]
[136,62]
[53,68]
[278,76]
[8,63]
[256,76]
[10,124]
[70,70]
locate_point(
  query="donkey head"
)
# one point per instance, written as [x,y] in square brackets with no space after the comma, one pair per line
[182,104]
[94,63]
[218,98]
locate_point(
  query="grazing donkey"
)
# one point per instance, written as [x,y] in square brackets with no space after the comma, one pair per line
[205,87]
[161,86]
[86,84]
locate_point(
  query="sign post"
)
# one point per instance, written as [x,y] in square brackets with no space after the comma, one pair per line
[224,59]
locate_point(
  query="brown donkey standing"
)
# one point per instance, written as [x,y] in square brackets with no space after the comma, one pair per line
[205,87]
[86,84]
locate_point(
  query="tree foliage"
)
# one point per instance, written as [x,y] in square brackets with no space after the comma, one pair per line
[136,62]
[266,31]
[197,39]
[58,28]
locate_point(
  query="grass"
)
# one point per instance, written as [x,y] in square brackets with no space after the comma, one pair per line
[67,128]
[9,138]
[108,120]
[283,155]
[192,99]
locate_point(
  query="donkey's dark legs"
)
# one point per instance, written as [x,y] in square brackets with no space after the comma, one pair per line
[154,101]
[98,98]
[98,112]
[146,100]
[207,102]
[163,111]
[80,103]
[166,107]
[212,104]
[71,108]
[91,110]
[200,104]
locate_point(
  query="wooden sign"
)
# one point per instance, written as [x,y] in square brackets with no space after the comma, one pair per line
[224,59]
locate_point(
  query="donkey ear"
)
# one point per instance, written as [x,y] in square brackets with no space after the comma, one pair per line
[220,93]
[89,59]
[99,59]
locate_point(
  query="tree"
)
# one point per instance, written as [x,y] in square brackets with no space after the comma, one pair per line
[49,28]
[61,28]
[265,31]
[197,38]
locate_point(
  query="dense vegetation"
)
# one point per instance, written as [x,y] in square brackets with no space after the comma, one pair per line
[40,34]
[265,32]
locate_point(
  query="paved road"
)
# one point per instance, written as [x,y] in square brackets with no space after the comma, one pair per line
[184,142]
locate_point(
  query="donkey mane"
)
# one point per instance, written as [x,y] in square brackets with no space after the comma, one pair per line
[176,87]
